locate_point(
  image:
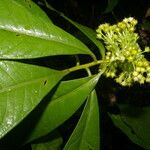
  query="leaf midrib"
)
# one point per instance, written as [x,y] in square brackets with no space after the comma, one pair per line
[41,36]
[44,38]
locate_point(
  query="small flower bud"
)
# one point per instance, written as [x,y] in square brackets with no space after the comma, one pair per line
[141,81]
[139,76]
[135,73]
[138,69]
[148,69]
[124,83]
[142,69]
[121,25]
[145,64]
[147,49]
[131,29]
[147,79]
[130,58]
[148,74]
[134,52]
[108,53]
[135,79]
[112,74]
[140,63]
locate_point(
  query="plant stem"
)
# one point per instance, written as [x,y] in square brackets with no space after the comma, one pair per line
[88,72]
[84,66]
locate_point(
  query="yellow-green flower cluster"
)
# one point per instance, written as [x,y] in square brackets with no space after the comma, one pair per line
[124,59]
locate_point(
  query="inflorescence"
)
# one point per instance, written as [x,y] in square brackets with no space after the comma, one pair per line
[124,60]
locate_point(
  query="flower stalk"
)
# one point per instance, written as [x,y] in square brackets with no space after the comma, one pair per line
[84,66]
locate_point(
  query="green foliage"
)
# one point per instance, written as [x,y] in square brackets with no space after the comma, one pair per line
[86,134]
[54,143]
[47,97]
[91,34]
[29,36]
[22,88]
[134,122]
[67,99]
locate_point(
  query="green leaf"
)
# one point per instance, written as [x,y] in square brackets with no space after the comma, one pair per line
[26,32]
[53,144]
[111,5]
[90,33]
[86,134]
[135,123]
[69,96]
[22,87]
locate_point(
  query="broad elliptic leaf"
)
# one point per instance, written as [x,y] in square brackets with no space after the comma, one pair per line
[135,123]
[69,96]
[22,87]
[86,134]
[26,32]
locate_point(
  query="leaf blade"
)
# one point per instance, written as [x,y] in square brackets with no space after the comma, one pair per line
[53,142]
[25,26]
[20,93]
[90,33]
[86,134]
[134,125]
[67,100]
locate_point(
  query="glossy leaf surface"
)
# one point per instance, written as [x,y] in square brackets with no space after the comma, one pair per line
[26,32]
[22,87]
[86,134]
[67,99]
